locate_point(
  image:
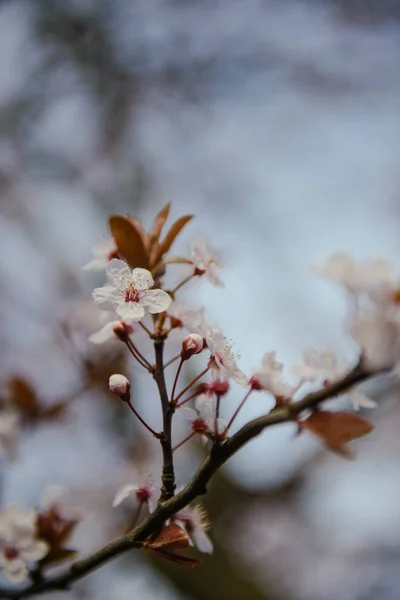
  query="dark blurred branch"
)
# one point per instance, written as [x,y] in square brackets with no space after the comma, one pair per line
[168,474]
[196,487]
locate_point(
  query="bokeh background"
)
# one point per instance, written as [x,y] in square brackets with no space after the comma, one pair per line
[278,125]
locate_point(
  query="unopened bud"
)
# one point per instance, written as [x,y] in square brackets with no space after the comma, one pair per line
[219,387]
[255,384]
[122,330]
[120,386]
[192,344]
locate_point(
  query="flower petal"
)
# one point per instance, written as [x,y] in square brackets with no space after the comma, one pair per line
[130,311]
[105,334]
[124,493]
[106,297]
[202,541]
[360,400]
[203,405]
[35,551]
[16,570]
[156,301]
[142,279]
[118,273]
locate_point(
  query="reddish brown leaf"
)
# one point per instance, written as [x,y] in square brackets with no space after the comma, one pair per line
[24,398]
[335,429]
[128,240]
[158,224]
[176,228]
[172,537]
[186,561]
[53,412]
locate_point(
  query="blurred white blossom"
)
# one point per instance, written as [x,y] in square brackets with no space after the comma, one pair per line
[205,260]
[269,377]
[103,252]
[19,546]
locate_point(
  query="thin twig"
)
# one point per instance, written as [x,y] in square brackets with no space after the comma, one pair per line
[189,385]
[187,399]
[147,330]
[186,439]
[143,422]
[235,414]
[172,360]
[182,283]
[178,371]
[132,349]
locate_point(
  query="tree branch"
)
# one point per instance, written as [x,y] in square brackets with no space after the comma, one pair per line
[197,486]
[168,474]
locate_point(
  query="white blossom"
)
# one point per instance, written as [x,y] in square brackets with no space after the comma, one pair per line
[205,260]
[357,276]
[145,493]
[109,332]
[269,377]
[56,499]
[202,417]
[322,365]
[224,358]
[193,521]
[378,335]
[129,293]
[183,315]
[103,252]
[18,543]
[9,431]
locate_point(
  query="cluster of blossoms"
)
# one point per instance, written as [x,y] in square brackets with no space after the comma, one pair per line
[131,293]
[134,296]
[20,547]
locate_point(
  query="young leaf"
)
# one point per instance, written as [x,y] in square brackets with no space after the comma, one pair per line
[176,228]
[128,240]
[335,429]
[186,561]
[158,224]
[172,537]
[24,398]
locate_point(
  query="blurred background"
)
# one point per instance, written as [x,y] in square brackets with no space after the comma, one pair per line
[278,125]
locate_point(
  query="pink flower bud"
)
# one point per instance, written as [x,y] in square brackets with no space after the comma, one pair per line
[120,386]
[122,330]
[192,344]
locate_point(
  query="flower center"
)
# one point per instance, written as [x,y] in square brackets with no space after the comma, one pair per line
[199,426]
[143,495]
[10,552]
[131,294]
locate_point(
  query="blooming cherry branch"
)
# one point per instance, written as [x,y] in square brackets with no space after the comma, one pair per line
[136,264]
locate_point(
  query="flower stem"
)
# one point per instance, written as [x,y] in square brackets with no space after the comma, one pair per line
[178,371]
[147,330]
[182,283]
[186,439]
[187,399]
[143,422]
[189,385]
[217,416]
[235,414]
[172,360]
[138,355]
